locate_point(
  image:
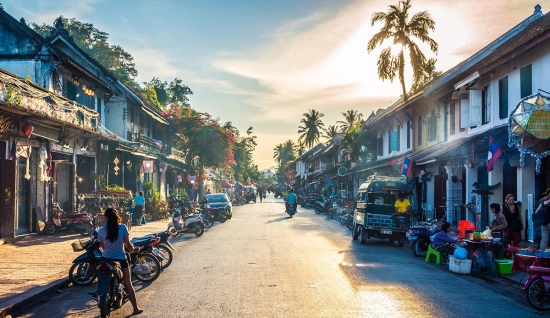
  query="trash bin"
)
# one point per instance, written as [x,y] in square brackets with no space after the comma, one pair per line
[133,213]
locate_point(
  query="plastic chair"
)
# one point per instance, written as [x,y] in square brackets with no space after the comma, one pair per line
[427,211]
[433,254]
[465,227]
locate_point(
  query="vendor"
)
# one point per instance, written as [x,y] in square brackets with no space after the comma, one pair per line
[442,242]
[499,224]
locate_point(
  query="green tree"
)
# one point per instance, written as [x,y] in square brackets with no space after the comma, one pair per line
[312,127]
[244,167]
[283,154]
[330,132]
[428,73]
[350,118]
[401,31]
[95,43]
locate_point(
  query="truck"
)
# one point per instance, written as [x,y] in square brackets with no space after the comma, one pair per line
[375,205]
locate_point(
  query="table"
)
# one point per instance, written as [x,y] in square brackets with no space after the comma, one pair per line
[524,262]
[483,246]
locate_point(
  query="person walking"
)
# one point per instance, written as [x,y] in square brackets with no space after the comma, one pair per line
[112,239]
[512,213]
[139,202]
[260,193]
[544,228]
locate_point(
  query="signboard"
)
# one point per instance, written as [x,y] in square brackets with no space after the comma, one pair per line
[342,171]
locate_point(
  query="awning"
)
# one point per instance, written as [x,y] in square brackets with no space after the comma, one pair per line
[155,116]
[226,185]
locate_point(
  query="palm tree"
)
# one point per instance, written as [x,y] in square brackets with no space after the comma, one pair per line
[330,132]
[350,118]
[428,73]
[301,148]
[312,127]
[278,153]
[401,31]
[283,154]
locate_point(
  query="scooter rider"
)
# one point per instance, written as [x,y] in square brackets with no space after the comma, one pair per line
[291,200]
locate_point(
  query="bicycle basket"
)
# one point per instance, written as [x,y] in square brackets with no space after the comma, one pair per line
[79,245]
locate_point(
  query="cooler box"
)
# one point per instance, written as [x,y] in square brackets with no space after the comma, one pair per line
[460,266]
[504,266]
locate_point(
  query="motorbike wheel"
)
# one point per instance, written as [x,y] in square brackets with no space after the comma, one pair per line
[349,223]
[317,211]
[89,229]
[118,301]
[363,236]
[82,273]
[417,248]
[221,217]
[199,229]
[174,232]
[146,258]
[49,229]
[537,294]
[208,221]
[167,254]
[104,306]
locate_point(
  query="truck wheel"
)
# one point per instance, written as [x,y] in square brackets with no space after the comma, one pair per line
[355,233]
[363,239]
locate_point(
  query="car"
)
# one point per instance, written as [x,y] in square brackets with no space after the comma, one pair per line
[220,201]
[249,194]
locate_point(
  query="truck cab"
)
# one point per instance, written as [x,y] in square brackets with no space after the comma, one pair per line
[375,205]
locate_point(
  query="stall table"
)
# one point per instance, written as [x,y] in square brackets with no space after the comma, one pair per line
[483,246]
[523,262]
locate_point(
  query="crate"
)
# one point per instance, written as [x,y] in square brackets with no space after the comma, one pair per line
[79,245]
[504,266]
[460,266]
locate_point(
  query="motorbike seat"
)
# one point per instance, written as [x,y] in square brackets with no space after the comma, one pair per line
[145,237]
[141,242]
[76,216]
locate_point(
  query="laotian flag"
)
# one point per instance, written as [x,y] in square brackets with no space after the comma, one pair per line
[406,169]
[147,166]
[162,169]
[493,153]
[179,177]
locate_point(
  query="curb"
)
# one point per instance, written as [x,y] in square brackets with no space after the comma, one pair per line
[28,299]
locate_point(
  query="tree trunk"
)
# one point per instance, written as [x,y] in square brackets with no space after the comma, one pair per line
[201,182]
[402,73]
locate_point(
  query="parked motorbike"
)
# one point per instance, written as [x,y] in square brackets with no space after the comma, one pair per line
[419,237]
[110,288]
[324,206]
[185,224]
[164,247]
[81,223]
[347,218]
[83,271]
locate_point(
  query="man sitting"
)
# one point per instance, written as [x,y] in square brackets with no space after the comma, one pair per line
[402,208]
[291,200]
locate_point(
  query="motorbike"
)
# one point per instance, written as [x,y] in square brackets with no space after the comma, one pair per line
[310,202]
[81,223]
[291,210]
[110,288]
[148,245]
[325,206]
[185,224]
[83,271]
[419,237]
[164,247]
[347,218]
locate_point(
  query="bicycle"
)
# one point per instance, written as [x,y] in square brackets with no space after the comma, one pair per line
[537,288]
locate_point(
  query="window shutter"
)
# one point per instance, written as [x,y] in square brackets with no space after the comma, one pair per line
[526,81]
[475,107]
[464,113]
[503,97]
[398,135]
[394,146]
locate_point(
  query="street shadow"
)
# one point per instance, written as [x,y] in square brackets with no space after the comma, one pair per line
[282,218]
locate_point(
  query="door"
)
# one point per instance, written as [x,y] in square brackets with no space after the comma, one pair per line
[23,198]
[7,198]
[440,191]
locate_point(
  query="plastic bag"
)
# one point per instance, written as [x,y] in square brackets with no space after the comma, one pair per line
[482,263]
[460,252]
[487,232]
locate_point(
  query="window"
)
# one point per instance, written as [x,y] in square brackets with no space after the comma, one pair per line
[485,105]
[409,129]
[445,123]
[380,144]
[419,130]
[476,101]
[394,140]
[452,119]
[526,81]
[432,127]
[99,106]
[503,97]
[389,141]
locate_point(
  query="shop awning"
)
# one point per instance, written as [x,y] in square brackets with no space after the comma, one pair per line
[226,185]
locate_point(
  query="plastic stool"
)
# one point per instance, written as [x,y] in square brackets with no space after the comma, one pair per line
[431,254]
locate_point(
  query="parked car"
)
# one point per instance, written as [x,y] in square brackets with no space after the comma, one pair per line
[219,201]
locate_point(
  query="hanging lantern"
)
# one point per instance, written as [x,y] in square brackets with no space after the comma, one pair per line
[27,130]
[204,176]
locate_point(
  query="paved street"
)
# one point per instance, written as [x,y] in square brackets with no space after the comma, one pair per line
[263,264]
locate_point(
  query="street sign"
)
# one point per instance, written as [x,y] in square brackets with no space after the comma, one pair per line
[342,171]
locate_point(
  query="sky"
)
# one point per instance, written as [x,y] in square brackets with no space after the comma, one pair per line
[266,63]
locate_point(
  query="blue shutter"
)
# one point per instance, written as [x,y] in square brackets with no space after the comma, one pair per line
[526,81]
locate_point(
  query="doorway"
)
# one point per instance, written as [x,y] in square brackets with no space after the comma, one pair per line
[23,198]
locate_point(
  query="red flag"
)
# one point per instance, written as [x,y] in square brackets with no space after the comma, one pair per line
[493,153]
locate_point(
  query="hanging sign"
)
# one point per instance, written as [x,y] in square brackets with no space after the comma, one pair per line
[342,171]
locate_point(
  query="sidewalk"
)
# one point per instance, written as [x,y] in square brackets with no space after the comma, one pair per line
[34,265]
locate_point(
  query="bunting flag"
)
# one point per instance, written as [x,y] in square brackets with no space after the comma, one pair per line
[393,162]
[192,179]
[162,169]
[493,154]
[179,177]
[147,166]
[406,168]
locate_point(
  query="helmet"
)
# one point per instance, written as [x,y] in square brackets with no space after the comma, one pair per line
[291,190]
